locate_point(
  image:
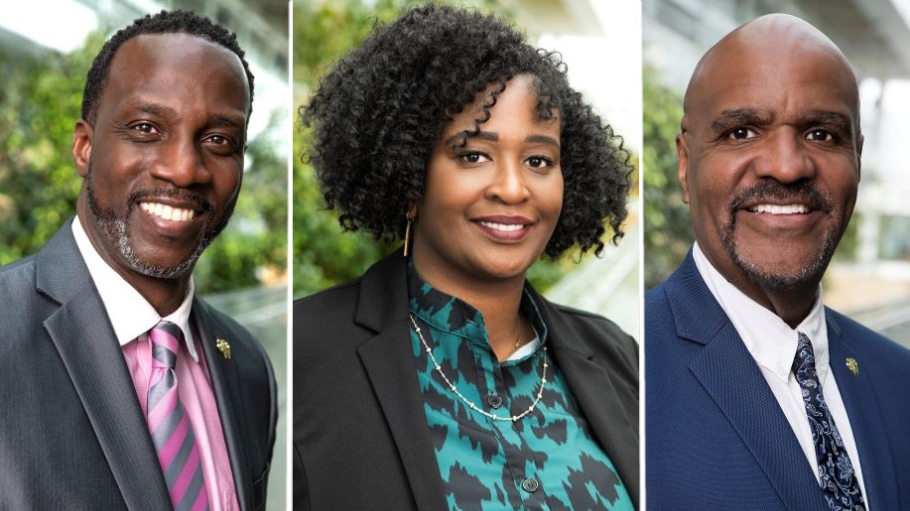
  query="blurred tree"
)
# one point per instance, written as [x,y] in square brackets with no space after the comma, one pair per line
[323,254]
[668,233]
[41,100]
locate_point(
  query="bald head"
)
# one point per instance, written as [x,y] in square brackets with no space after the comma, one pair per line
[772,43]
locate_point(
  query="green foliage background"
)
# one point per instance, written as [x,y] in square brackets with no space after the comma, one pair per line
[667,233]
[40,101]
[324,30]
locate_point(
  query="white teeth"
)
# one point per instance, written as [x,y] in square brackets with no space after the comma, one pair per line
[774,209]
[167,212]
[503,227]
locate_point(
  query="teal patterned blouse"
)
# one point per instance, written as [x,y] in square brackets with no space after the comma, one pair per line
[548,460]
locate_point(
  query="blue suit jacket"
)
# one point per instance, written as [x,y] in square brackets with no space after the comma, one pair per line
[716,438]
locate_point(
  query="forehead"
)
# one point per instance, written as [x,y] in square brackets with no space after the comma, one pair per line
[517,103]
[779,80]
[176,68]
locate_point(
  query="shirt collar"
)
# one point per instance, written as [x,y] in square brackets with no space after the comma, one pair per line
[129,312]
[451,314]
[770,341]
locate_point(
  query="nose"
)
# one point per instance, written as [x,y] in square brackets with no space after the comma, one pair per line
[786,158]
[508,183]
[180,162]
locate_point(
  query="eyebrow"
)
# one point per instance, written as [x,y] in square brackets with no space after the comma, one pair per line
[732,118]
[839,120]
[494,137]
[153,108]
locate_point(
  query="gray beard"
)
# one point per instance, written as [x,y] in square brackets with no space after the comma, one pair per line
[118,233]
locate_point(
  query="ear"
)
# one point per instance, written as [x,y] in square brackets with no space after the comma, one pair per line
[859,156]
[412,211]
[682,165]
[82,146]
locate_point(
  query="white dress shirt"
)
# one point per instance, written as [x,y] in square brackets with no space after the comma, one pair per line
[772,343]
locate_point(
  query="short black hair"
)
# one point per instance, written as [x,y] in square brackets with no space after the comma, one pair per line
[165,22]
[378,114]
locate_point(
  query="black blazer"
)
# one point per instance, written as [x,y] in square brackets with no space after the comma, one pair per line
[72,432]
[361,439]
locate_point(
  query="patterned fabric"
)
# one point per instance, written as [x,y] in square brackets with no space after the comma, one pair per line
[835,471]
[548,460]
[170,425]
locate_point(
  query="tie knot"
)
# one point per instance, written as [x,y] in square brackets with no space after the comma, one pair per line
[165,338]
[804,362]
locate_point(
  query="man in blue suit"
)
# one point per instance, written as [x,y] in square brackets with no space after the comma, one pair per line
[757,396]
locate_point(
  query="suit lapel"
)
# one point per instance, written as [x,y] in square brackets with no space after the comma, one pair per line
[83,336]
[729,375]
[228,397]
[597,395]
[866,420]
[388,360]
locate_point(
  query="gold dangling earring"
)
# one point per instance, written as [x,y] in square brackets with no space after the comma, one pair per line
[407,235]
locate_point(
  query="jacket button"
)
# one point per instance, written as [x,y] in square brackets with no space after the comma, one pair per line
[530,485]
[494,400]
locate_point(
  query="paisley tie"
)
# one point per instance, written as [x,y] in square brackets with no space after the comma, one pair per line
[836,475]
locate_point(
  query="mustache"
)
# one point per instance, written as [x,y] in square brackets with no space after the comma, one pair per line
[771,189]
[202,204]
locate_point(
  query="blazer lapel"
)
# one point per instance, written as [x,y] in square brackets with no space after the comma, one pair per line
[388,360]
[228,397]
[597,395]
[730,376]
[93,358]
[866,420]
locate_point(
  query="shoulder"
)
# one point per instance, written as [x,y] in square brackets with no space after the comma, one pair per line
[581,330]
[337,300]
[863,340]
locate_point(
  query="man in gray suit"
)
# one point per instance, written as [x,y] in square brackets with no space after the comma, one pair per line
[120,389]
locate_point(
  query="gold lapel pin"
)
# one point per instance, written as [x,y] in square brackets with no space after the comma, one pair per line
[224,348]
[853,366]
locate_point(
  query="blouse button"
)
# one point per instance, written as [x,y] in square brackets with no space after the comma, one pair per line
[494,400]
[530,485]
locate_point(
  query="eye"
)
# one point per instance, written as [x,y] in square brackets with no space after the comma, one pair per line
[538,162]
[144,127]
[741,133]
[820,135]
[473,157]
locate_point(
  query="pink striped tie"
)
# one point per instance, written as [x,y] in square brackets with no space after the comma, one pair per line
[170,425]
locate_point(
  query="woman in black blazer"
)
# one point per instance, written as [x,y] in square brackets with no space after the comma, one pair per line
[440,379]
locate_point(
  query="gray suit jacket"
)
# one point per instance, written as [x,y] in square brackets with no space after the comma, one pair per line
[72,432]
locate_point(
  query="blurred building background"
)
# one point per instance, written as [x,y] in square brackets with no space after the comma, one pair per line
[45,52]
[600,43]
[869,278]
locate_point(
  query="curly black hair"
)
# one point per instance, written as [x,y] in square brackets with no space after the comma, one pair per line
[378,114]
[165,22]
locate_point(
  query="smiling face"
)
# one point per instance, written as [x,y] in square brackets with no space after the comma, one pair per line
[163,160]
[492,199]
[769,157]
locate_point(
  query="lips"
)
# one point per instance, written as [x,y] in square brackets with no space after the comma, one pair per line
[504,228]
[167,212]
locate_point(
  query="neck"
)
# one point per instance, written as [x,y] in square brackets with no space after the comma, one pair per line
[499,301]
[792,306]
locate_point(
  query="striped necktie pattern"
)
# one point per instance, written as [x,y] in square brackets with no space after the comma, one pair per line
[170,425]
